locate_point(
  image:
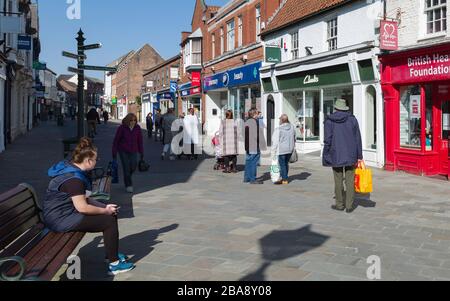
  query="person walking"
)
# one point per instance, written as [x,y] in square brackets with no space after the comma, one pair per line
[342,151]
[166,125]
[149,122]
[283,146]
[66,208]
[252,148]
[128,144]
[105,116]
[191,134]
[92,118]
[228,141]
[158,130]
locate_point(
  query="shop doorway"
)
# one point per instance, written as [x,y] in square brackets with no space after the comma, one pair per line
[270,119]
[445,135]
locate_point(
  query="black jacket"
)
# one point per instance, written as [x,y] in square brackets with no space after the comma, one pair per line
[93,115]
[343,145]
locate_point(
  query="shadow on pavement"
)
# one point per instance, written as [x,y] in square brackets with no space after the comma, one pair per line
[363,200]
[135,246]
[284,244]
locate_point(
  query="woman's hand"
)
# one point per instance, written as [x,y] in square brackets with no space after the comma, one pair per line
[111,210]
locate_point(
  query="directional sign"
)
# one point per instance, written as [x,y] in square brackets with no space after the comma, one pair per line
[74,70]
[92,46]
[73,56]
[98,68]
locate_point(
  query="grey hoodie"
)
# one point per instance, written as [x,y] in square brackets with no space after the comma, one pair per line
[284,139]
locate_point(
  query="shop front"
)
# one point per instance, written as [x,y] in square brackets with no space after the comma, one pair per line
[306,93]
[191,97]
[122,108]
[416,86]
[165,101]
[237,89]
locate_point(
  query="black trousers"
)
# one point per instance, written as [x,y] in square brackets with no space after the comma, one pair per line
[232,159]
[106,224]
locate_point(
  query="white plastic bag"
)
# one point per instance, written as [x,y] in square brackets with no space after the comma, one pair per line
[275,170]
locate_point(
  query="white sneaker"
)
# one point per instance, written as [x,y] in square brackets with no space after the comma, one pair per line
[130,189]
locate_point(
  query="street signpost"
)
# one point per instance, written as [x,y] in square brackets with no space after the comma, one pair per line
[81,57]
[98,68]
[71,55]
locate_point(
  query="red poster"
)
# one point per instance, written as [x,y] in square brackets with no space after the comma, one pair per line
[388,35]
[196,79]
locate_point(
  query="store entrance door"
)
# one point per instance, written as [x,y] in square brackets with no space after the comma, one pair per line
[445,135]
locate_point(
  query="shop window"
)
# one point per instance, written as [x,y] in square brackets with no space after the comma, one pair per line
[371,118]
[446,120]
[256,98]
[410,117]
[331,95]
[304,114]
[429,118]
[244,106]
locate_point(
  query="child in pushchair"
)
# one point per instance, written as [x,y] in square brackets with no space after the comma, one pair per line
[220,162]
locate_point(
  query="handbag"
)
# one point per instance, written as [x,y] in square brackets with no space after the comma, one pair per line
[143,166]
[363,179]
[294,157]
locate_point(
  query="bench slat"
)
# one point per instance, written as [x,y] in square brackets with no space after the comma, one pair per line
[10,193]
[22,245]
[15,200]
[49,255]
[62,256]
[17,230]
[15,212]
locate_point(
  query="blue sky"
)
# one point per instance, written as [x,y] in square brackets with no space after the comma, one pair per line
[120,25]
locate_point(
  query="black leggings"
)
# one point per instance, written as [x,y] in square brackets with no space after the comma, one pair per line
[106,224]
[233,160]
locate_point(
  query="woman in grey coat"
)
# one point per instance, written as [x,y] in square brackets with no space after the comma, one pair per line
[166,126]
[283,146]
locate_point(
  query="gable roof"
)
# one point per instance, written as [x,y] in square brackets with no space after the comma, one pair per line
[293,11]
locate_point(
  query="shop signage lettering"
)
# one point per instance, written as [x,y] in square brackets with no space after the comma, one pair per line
[311,79]
[248,74]
[428,67]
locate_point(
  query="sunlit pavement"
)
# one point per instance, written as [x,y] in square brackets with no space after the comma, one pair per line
[186,221]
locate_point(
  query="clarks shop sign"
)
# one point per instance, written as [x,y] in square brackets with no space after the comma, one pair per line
[428,67]
[311,79]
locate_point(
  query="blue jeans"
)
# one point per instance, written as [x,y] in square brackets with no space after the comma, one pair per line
[129,165]
[283,160]
[251,166]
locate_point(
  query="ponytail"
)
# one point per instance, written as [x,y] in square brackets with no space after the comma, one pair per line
[85,149]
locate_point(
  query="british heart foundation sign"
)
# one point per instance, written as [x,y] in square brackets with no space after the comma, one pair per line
[388,35]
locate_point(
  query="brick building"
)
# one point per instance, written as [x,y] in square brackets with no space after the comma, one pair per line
[159,87]
[191,61]
[233,55]
[129,77]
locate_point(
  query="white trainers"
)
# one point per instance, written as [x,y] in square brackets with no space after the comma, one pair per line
[130,189]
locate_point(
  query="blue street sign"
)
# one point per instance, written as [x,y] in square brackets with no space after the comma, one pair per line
[24,42]
[246,75]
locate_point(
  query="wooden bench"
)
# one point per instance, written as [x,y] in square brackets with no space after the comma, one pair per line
[28,250]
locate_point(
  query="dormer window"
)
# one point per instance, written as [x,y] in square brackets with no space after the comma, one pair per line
[193,52]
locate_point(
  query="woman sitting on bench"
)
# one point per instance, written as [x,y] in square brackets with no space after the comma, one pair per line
[66,207]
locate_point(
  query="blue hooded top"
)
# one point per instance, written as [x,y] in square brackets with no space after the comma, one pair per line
[60,214]
[342,142]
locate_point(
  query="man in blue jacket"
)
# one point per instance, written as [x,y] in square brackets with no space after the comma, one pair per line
[342,151]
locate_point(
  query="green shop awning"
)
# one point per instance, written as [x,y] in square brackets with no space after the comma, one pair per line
[267,84]
[334,75]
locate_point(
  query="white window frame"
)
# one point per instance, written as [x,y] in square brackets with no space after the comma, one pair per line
[258,23]
[433,9]
[213,41]
[295,46]
[332,34]
[196,54]
[240,31]
[231,35]
[222,42]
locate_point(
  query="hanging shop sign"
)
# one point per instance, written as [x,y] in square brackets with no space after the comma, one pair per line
[146,97]
[388,35]
[273,55]
[246,75]
[24,42]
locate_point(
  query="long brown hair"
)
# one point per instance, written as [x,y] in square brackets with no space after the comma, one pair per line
[229,114]
[126,121]
[85,149]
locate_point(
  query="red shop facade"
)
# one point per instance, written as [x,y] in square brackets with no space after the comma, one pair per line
[416,87]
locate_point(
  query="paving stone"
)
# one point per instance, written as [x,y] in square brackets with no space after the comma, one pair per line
[180,260]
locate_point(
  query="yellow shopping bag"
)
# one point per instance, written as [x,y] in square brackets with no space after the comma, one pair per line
[363,179]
